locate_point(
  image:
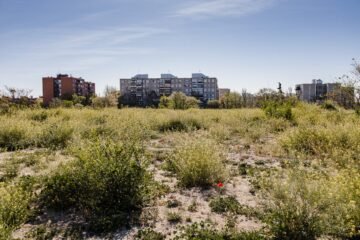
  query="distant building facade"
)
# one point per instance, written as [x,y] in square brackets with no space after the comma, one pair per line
[64,85]
[315,91]
[223,92]
[144,91]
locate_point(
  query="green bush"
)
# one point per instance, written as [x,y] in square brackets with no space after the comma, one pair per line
[226,204]
[328,105]
[10,172]
[178,100]
[149,234]
[337,144]
[357,111]
[214,104]
[198,164]
[222,204]
[296,207]
[173,203]
[305,206]
[106,184]
[174,217]
[202,231]
[40,116]
[14,208]
[55,136]
[55,103]
[309,141]
[180,124]
[67,104]
[278,110]
[13,137]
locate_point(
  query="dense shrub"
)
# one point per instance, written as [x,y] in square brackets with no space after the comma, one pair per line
[192,102]
[55,136]
[14,208]
[164,102]
[197,164]
[214,104]
[103,102]
[222,204]
[337,144]
[5,107]
[67,104]
[105,184]
[55,103]
[40,116]
[309,141]
[299,206]
[180,124]
[344,215]
[278,110]
[174,217]
[149,234]
[178,100]
[13,137]
[357,111]
[232,100]
[202,231]
[328,105]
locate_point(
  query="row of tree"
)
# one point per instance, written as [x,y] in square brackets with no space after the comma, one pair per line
[110,99]
[346,95]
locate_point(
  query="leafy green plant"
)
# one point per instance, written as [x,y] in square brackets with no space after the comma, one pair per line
[174,217]
[214,104]
[39,116]
[14,208]
[180,124]
[328,105]
[106,184]
[198,164]
[278,110]
[56,136]
[149,234]
[222,204]
[203,231]
[357,111]
[193,206]
[13,137]
[10,172]
[296,207]
[173,203]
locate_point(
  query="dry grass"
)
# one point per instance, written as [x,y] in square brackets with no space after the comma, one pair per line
[202,148]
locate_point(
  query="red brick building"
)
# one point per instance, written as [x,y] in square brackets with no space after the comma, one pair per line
[64,85]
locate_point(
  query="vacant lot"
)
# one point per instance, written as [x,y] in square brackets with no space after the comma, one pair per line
[187,174]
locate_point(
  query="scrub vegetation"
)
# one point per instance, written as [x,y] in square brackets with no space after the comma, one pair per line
[282,171]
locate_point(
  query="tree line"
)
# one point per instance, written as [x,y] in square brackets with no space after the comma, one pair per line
[346,95]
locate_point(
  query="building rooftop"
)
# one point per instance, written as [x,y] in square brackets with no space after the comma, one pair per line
[168,76]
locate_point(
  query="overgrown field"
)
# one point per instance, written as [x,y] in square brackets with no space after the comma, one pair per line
[278,173]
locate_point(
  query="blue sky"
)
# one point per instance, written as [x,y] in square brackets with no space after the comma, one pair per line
[247,44]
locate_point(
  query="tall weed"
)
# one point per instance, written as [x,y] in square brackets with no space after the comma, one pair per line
[198,163]
[105,184]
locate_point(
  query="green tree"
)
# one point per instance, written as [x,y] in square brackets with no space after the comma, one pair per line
[178,100]
[213,104]
[192,102]
[231,100]
[78,99]
[164,102]
[111,96]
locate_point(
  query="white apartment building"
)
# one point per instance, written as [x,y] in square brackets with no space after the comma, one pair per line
[141,90]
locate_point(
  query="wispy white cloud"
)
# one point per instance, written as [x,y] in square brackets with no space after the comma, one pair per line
[209,8]
[90,47]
